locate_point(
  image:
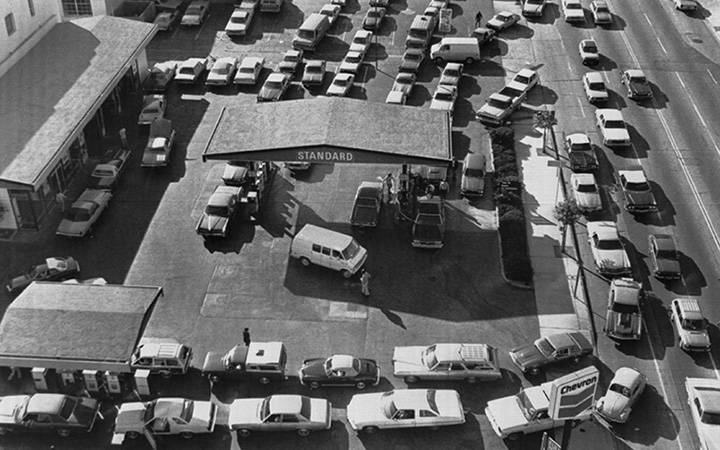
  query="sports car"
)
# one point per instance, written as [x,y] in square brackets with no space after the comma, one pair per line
[84,212]
[664,261]
[608,252]
[623,393]
[551,349]
[339,370]
[42,412]
[53,269]
[280,413]
[366,208]
[166,416]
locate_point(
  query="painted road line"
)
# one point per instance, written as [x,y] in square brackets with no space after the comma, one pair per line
[655,33]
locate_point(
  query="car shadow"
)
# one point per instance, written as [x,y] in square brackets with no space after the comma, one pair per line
[693,280]
[517,31]
[420,96]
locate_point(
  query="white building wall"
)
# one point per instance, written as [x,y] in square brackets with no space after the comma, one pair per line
[29,29]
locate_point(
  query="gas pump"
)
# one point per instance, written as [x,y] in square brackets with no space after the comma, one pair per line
[40,378]
[94,381]
[112,382]
[142,382]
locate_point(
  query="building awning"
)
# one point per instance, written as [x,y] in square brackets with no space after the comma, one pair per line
[50,94]
[331,130]
[75,326]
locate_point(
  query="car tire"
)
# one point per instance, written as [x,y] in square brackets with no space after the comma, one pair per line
[214,377]
[314,385]
[187,435]
[514,436]
[243,432]
[360,385]
[471,380]
[132,435]
[303,432]
[346,274]
[576,360]
[264,380]
[438,60]
[411,380]
[305,262]
[469,60]
[370,430]
[534,371]
[63,433]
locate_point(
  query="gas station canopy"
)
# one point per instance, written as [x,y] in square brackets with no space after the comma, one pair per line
[331,130]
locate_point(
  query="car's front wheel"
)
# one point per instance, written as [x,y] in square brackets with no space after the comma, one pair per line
[411,380]
[314,385]
[471,380]
[132,435]
[264,380]
[346,273]
[305,262]
[243,432]
[303,432]
[214,377]
[514,436]
[187,435]
[64,433]
[360,385]
[535,371]
[370,430]
[4,431]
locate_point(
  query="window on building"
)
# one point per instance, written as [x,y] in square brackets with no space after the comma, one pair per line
[10,24]
[31,5]
[77,7]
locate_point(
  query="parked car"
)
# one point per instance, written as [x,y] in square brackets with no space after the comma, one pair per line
[339,370]
[261,361]
[280,413]
[612,127]
[84,213]
[196,13]
[404,82]
[608,252]
[366,207]
[524,80]
[274,87]
[159,145]
[166,20]
[664,258]
[361,41]
[239,22]
[314,73]
[290,61]
[331,11]
[164,358]
[589,53]
[502,20]
[624,310]
[222,72]
[624,391]
[166,416]
[351,62]
[568,346]
[340,3]
[685,5]
[341,85]
[601,12]
[472,181]
[483,35]
[595,89]
[405,408]
[451,74]
[373,18]
[585,192]
[443,362]
[444,98]
[691,324]
[249,70]
[573,11]
[702,398]
[53,269]
[153,107]
[219,211]
[190,70]
[160,76]
[380,3]
[106,174]
[43,412]
[637,192]
[396,98]
[533,8]
[637,84]
[411,60]
[236,172]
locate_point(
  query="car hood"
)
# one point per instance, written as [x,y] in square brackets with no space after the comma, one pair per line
[269,93]
[527,355]
[203,413]
[612,258]
[314,368]
[312,77]
[244,412]
[640,198]
[506,414]
[333,89]
[213,362]
[72,228]
[612,405]
[640,88]
[236,27]
[489,110]
[154,159]
[235,173]
[212,223]
[710,436]
[603,16]
[472,184]
[408,359]
[363,215]
[441,105]
[668,265]
[365,408]
[130,417]
[575,13]
[588,200]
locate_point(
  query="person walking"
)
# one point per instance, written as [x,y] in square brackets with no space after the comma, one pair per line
[478,19]
[14,373]
[61,200]
[365,283]
[444,188]
[246,337]
[123,137]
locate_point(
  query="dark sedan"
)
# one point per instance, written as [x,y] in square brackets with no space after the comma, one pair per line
[53,269]
[663,257]
[339,370]
[551,349]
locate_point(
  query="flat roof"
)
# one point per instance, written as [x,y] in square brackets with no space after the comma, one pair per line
[75,326]
[332,130]
[47,95]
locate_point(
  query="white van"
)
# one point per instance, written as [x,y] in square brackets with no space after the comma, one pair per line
[456,49]
[311,32]
[270,5]
[329,249]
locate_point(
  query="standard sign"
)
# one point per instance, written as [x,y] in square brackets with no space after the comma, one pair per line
[320,156]
[573,395]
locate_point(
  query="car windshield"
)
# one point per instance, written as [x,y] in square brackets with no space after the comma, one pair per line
[711,418]
[573,6]
[367,202]
[545,347]
[274,85]
[306,34]
[693,324]
[431,401]
[187,70]
[222,70]
[590,48]
[580,146]
[67,408]
[239,19]
[522,79]
[620,389]
[78,215]
[353,59]
[428,356]
[291,58]
[602,9]
[313,69]
[526,405]
[609,244]
[587,188]
[413,56]
[247,70]
[666,254]
[638,79]
[193,10]
[452,73]
[597,86]
[638,187]
[444,96]
[374,14]
[614,124]
[475,173]
[216,210]
[387,406]
[151,111]
[359,40]
[496,103]
[341,82]
[625,309]
[351,250]
[535,2]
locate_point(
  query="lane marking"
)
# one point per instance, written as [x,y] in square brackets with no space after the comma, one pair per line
[655,33]
[202,26]
[582,110]
[711,76]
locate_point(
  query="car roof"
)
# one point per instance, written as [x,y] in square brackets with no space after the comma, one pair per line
[264,352]
[160,350]
[578,138]
[411,398]
[192,62]
[363,33]
[369,188]
[504,14]
[690,307]
[45,403]
[574,338]
[632,73]
[594,77]
[342,361]
[610,114]
[314,63]
[664,242]
[285,404]
[250,61]
[605,229]
[447,88]
[292,52]
[633,176]
[456,66]
[276,76]
[709,399]
[240,12]
[354,53]
[583,178]
[343,75]
[226,60]
[525,73]
[626,376]
[462,352]
[627,291]
[169,407]
[474,160]
[222,197]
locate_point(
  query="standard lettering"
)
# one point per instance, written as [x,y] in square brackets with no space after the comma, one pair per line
[579,385]
[325,156]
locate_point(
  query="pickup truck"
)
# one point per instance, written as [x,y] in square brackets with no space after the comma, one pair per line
[429,227]
[524,413]
[581,153]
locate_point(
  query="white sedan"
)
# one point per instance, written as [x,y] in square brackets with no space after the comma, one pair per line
[612,127]
[609,254]
[341,85]
[451,74]
[249,70]
[222,72]
[703,395]
[405,408]
[166,416]
[624,391]
[585,192]
[444,98]
[83,214]
[280,413]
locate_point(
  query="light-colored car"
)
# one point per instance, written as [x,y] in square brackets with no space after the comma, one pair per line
[595,89]
[249,70]
[222,71]
[451,74]
[290,61]
[248,5]
[444,98]
[196,13]
[624,310]
[274,87]
[533,8]
[160,76]
[404,82]
[38,413]
[624,391]
[405,408]
[219,211]
[314,73]
[551,349]
[166,20]
[608,252]
[351,62]
[573,11]
[236,172]
[341,85]
[153,107]
[381,3]
[472,182]
[691,324]
[331,11]
[396,98]
[295,166]
[361,41]
[106,174]
[411,60]
[637,84]
[601,12]
[685,5]
[366,207]
[637,192]
[483,35]
[53,269]
[703,395]
[612,127]
[374,18]
[239,22]
[340,3]
[585,192]
[190,70]
[502,20]
[524,80]
[159,144]
[84,212]
[589,53]
[166,416]
[434,14]
[280,413]
[664,257]
[443,362]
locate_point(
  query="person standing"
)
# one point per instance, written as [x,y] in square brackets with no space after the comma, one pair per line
[246,337]
[444,188]
[61,200]
[388,188]
[478,19]
[365,283]
[123,137]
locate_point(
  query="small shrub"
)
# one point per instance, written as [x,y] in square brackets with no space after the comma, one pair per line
[504,136]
